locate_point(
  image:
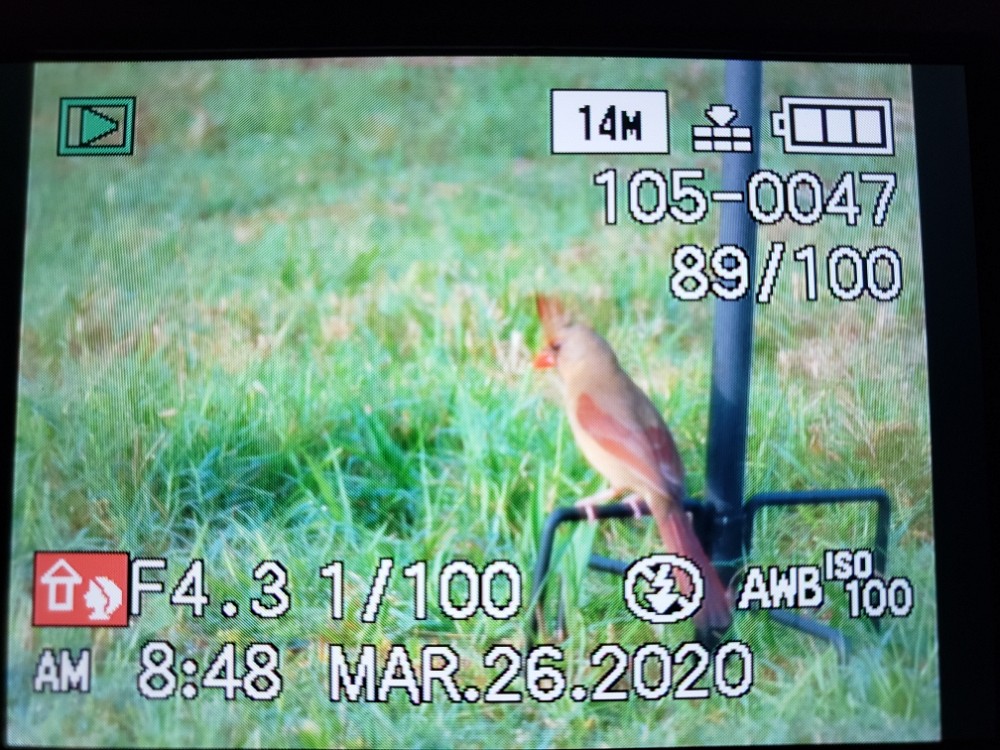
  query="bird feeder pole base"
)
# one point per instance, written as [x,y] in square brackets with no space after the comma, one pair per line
[705,520]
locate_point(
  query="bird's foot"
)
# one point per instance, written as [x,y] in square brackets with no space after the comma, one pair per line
[588,503]
[637,504]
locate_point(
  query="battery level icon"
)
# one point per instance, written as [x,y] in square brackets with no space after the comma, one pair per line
[828,125]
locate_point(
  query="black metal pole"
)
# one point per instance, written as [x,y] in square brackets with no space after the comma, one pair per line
[724,520]
[732,338]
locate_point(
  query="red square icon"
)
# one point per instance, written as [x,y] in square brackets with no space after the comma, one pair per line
[81,589]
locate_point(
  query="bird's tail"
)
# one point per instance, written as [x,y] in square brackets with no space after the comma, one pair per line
[714,616]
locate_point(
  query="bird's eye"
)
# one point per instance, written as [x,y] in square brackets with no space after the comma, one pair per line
[555,346]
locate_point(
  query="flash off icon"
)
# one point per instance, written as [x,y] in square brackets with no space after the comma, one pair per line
[96,126]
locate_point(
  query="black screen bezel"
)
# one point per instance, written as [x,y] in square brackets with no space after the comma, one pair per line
[954,55]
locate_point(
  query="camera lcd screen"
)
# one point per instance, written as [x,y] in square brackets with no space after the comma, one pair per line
[472,401]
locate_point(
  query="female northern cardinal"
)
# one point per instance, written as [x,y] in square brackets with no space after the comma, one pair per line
[623,436]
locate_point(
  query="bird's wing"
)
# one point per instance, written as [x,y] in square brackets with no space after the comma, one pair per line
[646,448]
[662,446]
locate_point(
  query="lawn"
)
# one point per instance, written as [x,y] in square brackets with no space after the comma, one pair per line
[297,325]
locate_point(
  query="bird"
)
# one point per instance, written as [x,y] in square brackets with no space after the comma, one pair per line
[624,437]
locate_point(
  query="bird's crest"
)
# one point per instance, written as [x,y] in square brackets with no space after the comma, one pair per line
[553,315]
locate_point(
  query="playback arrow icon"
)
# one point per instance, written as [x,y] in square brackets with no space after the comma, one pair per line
[94,125]
[721,114]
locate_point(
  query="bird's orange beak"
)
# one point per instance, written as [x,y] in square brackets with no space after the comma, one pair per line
[545,359]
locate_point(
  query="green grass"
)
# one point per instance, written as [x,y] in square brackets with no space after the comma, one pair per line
[297,325]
